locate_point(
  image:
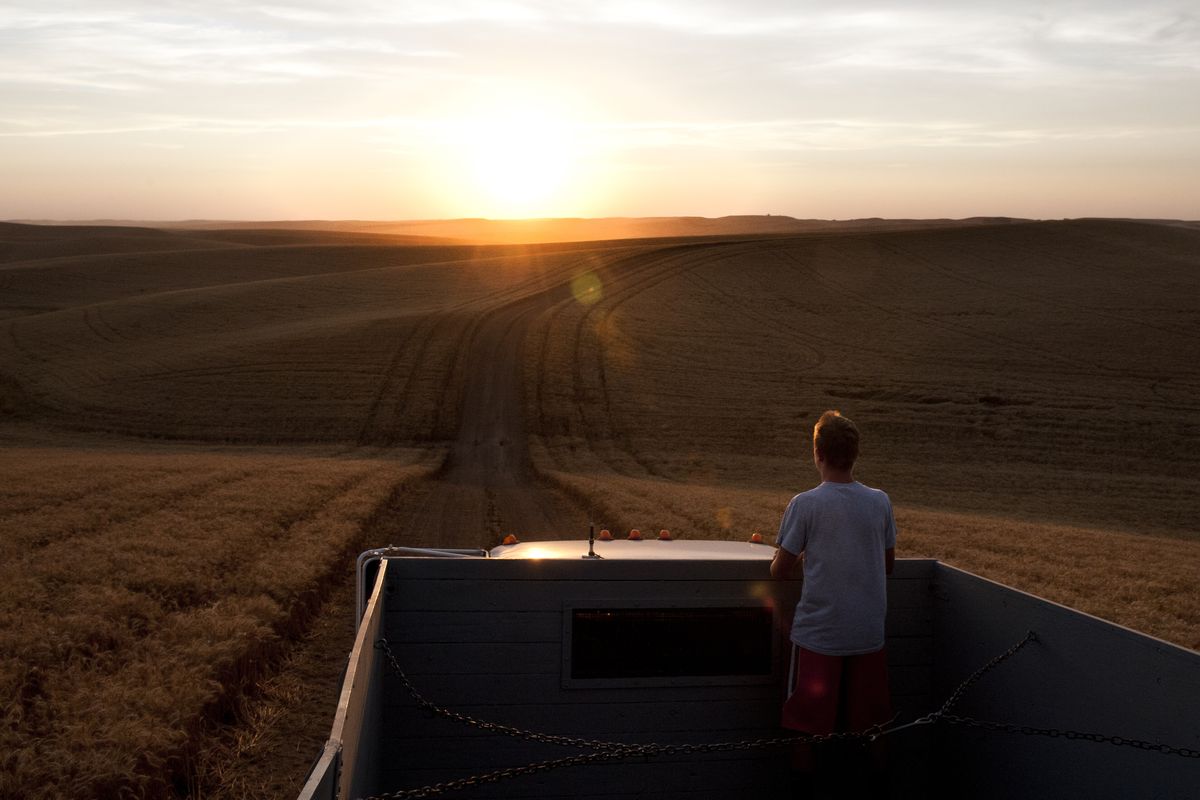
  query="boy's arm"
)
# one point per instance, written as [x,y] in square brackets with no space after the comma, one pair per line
[889,560]
[784,563]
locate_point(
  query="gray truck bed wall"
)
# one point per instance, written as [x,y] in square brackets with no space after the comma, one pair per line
[486,638]
[1082,674]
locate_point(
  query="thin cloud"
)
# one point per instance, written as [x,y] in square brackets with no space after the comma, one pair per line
[643,77]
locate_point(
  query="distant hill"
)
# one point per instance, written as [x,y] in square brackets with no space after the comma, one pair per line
[526,231]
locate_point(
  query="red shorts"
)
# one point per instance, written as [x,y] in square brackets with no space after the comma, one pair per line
[837,693]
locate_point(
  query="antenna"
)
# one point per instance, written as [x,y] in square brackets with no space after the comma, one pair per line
[591,553]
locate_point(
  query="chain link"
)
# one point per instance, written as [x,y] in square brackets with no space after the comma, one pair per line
[960,690]
[485,725]
[602,751]
[1055,733]
[974,677]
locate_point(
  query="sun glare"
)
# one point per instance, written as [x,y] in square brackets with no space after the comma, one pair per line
[517,160]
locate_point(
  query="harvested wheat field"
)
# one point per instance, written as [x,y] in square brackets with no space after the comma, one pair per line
[201,428]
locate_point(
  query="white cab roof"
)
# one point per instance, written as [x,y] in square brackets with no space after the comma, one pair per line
[647,550]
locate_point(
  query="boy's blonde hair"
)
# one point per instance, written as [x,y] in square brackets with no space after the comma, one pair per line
[835,440]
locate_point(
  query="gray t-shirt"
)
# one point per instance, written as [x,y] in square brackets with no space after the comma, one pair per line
[843,530]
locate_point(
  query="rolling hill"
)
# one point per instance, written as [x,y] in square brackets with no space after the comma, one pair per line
[202,424]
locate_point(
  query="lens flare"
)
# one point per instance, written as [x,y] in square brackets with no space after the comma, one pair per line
[724,517]
[587,289]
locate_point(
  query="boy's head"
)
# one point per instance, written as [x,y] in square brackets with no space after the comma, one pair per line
[835,440]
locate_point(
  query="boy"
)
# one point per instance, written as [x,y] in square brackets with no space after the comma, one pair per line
[843,537]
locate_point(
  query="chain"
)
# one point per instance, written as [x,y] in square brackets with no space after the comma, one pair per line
[435,789]
[943,715]
[491,727]
[618,752]
[1055,733]
[600,744]
[961,689]
[957,694]
[602,751]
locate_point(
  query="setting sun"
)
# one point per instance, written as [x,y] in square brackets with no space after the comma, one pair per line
[516,161]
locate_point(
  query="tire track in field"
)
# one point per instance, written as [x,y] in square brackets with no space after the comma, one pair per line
[117,334]
[44,407]
[61,407]
[116,356]
[388,427]
[658,272]
[15,398]
[556,281]
[486,484]
[236,557]
[387,387]
[672,262]
[240,559]
[589,430]
[409,401]
[406,398]
[756,312]
[447,415]
[95,326]
[624,280]
[622,276]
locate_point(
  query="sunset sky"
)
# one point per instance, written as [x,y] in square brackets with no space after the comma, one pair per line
[399,110]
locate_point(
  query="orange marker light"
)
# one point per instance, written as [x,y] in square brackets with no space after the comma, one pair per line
[605,535]
[635,535]
[510,539]
[664,535]
[756,538]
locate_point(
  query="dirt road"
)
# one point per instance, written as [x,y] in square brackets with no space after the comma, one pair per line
[487,486]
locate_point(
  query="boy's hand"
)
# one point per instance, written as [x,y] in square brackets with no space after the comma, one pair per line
[784,563]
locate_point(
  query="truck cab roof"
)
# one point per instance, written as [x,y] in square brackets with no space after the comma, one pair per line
[644,550]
